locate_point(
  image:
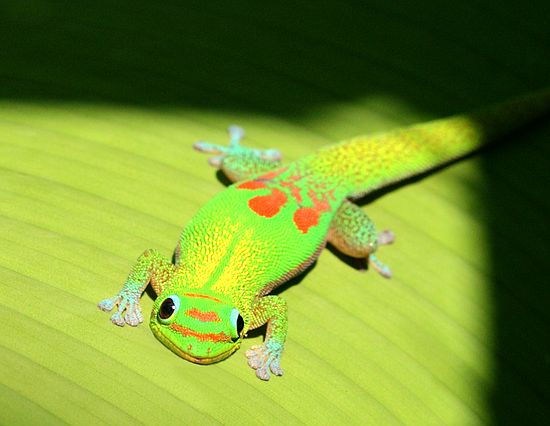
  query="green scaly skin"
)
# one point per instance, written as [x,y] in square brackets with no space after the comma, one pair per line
[274,221]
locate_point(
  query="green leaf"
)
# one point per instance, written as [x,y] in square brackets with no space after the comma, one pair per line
[99,105]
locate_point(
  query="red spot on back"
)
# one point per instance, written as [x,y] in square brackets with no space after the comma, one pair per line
[272,174]
[306,217]
[268,205]
[294,191]
[320,203]
[209,316]
[252,184]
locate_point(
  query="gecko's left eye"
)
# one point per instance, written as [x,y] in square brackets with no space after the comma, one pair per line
[237,324]
[168,308]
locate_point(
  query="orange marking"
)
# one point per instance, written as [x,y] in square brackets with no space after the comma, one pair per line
[202,296]
[294,191]
[306,217]
[209,316]
[268,205]
[252,184]
[272,174]
[202,337]
[320,204]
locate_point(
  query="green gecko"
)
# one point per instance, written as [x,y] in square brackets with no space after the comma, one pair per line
[274,221]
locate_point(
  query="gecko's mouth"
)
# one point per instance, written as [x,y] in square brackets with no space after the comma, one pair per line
[188,356]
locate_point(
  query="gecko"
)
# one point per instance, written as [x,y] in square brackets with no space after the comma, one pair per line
[274,220]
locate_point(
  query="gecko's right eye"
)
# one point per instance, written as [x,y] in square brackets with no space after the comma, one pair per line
[237,325]
[168,308]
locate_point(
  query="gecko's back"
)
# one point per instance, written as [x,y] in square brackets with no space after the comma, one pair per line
[258,233]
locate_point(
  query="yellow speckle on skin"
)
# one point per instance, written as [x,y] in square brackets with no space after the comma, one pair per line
[205,258]
[245,262]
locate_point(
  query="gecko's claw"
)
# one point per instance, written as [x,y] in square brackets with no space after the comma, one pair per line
[380,267]
[108,304]
[210,148]
[216,161]
[235,149]
[128,311]
[236,133]
[385,237]
[265,358]
[133,315]
[270,154]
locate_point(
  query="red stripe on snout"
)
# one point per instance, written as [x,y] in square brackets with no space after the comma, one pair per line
[209,316]
[203,337]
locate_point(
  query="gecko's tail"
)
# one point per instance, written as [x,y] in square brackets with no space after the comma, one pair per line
[364,164]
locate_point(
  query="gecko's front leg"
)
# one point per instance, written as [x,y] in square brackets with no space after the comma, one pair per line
[267,356]
[151,267]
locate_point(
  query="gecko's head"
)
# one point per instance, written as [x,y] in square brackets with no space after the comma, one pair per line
[200,328]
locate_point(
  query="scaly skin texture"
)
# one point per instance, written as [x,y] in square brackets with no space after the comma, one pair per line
[274,221]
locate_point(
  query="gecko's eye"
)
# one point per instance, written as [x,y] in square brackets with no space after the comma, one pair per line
[168,308]
[237,324]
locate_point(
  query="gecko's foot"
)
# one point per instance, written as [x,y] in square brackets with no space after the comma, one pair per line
[128,311]
[235,148]
[385,237]
[382,268]
[266,357]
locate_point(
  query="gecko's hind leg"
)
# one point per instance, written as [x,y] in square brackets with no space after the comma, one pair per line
[353,233]
[239,162]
